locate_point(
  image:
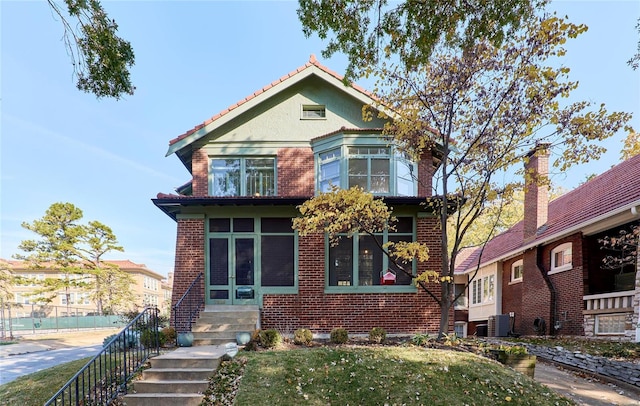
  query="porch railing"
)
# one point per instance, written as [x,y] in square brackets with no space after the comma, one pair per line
[188,308]
[614,302]
[106,375]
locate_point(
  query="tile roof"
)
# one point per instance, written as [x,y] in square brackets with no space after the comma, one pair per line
[312,62]
[614,189]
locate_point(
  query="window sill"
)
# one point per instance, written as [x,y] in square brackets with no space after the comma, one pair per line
[369,289]
[515,282]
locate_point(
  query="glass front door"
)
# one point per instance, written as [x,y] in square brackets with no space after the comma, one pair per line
[232,269]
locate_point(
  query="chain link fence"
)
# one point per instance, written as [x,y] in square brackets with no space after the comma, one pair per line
[20,319]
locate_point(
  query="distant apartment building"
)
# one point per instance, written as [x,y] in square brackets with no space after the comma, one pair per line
[149,288]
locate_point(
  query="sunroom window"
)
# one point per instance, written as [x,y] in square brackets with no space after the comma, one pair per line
[369,168]
[359,262]
[242,176]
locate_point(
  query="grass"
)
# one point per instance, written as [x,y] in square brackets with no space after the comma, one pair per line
[356,375]
[39,387]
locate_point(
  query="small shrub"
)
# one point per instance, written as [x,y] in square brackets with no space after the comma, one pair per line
[120,344]
[302,336]
[170,335]
[270,338]
[421,339]
[377,335]
[148,338]
[339,336]
[452,340]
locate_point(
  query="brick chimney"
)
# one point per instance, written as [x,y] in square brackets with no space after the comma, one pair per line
[536,192]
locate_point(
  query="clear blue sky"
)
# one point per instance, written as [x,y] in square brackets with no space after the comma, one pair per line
[193,59]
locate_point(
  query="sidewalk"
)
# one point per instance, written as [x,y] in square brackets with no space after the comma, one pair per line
[582,389]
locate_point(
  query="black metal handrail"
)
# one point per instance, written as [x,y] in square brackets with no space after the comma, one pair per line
[106,375]
[188,308]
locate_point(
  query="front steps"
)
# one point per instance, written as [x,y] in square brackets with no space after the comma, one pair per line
[181,376]
[218,325]
[177,378]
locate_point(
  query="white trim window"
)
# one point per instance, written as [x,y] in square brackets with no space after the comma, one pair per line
[483,290]
[517,269]
[561,258]
[242,176]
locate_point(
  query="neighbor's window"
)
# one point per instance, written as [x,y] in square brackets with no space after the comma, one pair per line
[243,177]
[517,271]
[358,261]
[610,323]
[561,258]
[313,112]
[483,290]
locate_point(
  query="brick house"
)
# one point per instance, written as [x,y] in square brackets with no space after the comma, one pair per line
[545,275]
[252,165]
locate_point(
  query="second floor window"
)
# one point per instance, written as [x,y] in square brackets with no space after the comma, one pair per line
[377,169]
[243,177]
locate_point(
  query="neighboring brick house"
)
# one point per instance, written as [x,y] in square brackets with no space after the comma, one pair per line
[548,267]
[149,288]
[253,164]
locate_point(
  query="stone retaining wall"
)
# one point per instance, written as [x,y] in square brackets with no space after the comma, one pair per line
[627,372]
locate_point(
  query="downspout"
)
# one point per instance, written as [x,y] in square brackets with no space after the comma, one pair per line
[553,303]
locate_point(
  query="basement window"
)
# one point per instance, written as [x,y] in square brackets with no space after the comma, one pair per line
[314,112]
[610,324]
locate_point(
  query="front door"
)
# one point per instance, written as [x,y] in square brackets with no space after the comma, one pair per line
[232,270]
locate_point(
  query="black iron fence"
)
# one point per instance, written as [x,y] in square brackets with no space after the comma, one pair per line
[187,309]
[106,376]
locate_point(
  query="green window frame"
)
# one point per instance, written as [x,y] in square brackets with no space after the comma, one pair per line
[356,263]
[367,161]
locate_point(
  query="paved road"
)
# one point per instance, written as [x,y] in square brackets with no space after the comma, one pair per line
[14,366]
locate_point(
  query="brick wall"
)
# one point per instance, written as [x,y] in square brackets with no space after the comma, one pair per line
[512,296]
[189,260]
[295,172]
[200,171]
[425,174]
[320,312]
[536,296]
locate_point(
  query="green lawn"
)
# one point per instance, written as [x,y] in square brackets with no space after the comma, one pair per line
[364,375]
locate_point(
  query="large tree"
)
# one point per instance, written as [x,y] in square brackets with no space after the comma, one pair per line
[369,31]
[101,59]
[485,107]
[110,287]
[75,251]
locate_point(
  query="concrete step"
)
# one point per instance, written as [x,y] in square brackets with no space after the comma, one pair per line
[176,362]
[219,327]
[184,386]
[163,399]
[212,341]
[176,374]
[220,319]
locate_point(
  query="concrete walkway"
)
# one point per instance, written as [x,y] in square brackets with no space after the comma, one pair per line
[584,390]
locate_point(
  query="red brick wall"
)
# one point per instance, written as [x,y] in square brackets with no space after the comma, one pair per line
[569,287]
[189,261]
[512,295]
[358,313]
[536,296]
[200,171]
[425,174]
[295,172]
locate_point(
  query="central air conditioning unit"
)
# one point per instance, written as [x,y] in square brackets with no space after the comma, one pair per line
[498,325]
